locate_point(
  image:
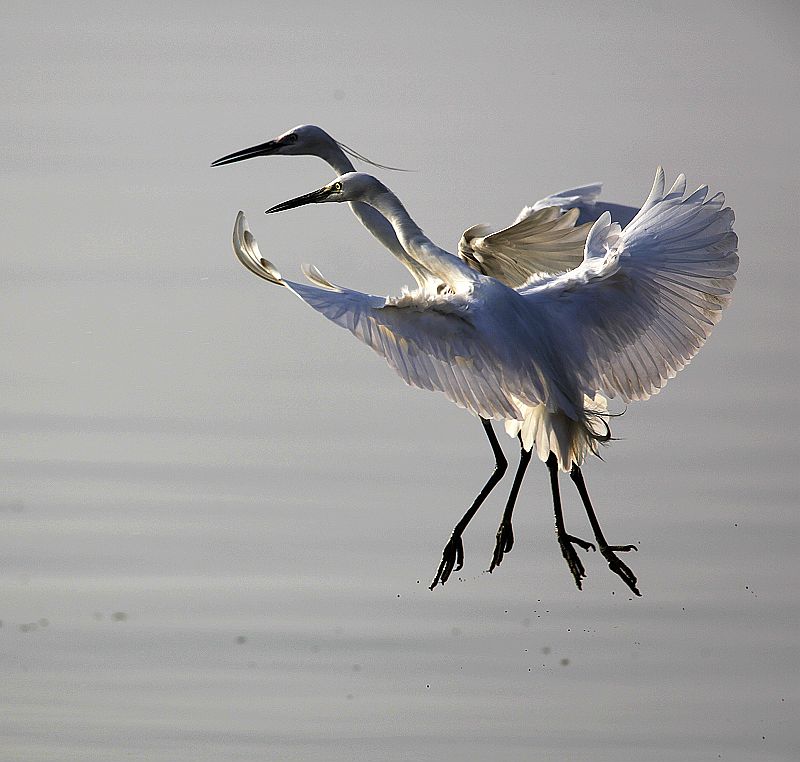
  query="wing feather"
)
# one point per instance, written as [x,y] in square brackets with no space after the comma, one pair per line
[431,346]
[645,299]
[542,241]
[585,195]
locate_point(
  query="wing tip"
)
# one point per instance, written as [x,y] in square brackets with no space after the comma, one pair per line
[315,277]
[245,247]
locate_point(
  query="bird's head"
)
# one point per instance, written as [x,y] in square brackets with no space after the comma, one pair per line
[353,186]
[303,140]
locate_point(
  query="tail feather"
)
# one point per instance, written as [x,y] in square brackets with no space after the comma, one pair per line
[570,440]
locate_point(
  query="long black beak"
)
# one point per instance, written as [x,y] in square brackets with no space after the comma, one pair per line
[309,198]
[265,149]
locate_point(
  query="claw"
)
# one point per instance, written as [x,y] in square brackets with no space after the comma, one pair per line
[585,544]
[619,567]
[565,542]
[505,541]
[452,560]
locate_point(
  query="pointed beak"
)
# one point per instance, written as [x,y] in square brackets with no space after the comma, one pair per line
[265,149]
[309,198]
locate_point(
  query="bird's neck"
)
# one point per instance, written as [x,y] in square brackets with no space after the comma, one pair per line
[335,156]
[370,217]
[433,259]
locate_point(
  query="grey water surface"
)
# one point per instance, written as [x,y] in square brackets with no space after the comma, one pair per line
[220,514]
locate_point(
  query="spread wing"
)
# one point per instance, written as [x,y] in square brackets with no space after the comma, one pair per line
[540,241]
[429,341]
[644,299]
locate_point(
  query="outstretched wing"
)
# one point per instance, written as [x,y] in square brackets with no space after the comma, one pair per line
[540,241]
[430,342]
[644,299]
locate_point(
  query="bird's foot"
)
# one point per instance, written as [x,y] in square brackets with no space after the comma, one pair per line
[619,567]
[565,542]
[452,560]
[505,541]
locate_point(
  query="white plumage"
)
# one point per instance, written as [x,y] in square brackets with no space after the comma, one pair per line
[625,320]
[543,239]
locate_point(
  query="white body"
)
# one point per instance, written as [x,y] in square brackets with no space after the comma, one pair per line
[543,239]
[623,322]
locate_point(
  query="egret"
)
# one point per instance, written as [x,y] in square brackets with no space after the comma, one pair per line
[543,239]
[625,320]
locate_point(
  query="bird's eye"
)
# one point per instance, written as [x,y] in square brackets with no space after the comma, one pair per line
[291,138]
[337,187]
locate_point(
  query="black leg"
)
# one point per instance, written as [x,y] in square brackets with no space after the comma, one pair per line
[608,551]
[453,554]
[505,534]
[566,541]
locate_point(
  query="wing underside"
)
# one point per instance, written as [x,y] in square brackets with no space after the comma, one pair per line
[430,342]
[644,299]
[543,241]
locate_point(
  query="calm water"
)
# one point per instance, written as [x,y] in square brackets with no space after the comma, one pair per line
[220,514]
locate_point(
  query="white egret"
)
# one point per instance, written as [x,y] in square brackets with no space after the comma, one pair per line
[543,239]
[628,318]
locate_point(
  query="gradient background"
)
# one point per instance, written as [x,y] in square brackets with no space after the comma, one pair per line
[220,513]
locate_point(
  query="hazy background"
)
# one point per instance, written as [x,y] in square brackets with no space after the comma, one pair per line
[220,513]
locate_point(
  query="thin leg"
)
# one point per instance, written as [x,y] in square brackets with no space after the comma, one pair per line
[505,534]
[453,554]
[608,551]
[566,541]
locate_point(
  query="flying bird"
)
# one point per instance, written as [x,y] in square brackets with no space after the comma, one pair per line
[546,237]
[624,321]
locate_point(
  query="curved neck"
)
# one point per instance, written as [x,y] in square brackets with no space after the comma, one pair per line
[416,244]
[370,217]
[329,151]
